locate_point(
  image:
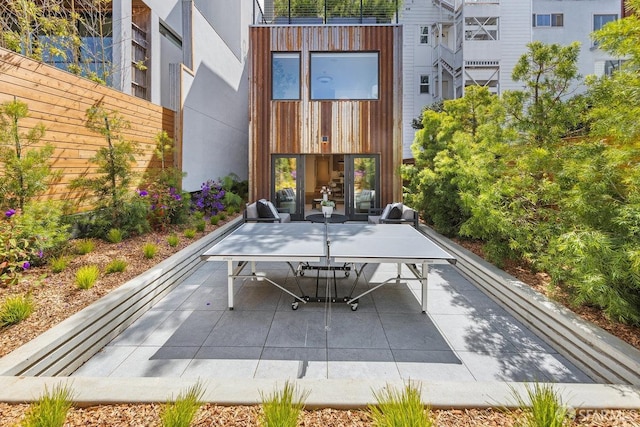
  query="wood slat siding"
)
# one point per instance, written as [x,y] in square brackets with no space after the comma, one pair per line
[59,100]
[296,127]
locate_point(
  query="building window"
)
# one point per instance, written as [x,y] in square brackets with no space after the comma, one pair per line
[548,20]
[424,84]
[599,21]
[285,74]
[424,35]
[139,58]
[481,28]
[349,75]
[612,66]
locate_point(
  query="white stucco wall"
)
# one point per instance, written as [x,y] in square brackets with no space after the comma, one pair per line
[577,26]
[215,95]
[215,115]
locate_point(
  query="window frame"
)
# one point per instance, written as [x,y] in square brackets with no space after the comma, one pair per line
[296,53]
[424,31]
[595,15]
[421,84]
[340,53]
[553,20]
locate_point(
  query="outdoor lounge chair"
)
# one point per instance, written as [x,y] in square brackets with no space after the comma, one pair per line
[264,211]
[393,213]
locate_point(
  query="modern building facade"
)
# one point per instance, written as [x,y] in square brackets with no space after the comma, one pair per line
[451,44]
[325,111]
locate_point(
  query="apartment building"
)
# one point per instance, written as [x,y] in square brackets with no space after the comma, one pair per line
[451,44]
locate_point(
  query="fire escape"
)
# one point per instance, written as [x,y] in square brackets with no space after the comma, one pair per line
[447,63]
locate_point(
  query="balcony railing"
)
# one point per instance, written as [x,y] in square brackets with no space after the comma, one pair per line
[310,12]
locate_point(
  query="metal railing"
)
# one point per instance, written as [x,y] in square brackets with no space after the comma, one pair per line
[310,12]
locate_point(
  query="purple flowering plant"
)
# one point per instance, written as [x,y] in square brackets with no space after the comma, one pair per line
[16,250]
[166,205]
[210,199]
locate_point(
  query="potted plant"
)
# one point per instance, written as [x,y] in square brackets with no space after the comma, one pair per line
[327,207]
[326,192]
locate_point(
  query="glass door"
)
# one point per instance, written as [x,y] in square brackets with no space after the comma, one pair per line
[287,184]
[362,186]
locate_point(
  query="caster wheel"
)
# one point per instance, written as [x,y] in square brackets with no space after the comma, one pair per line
[301,273]
[354,306]
[346,274]
[294,306]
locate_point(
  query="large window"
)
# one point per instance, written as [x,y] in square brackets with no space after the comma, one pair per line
[352,75]
[548,20]
[285,75]
[599,21]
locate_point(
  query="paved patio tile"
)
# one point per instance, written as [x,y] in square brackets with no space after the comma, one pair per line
[464,336]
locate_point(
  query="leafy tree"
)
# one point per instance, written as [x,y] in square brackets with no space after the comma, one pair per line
[25,169]
[456,149]
[539,111]
[49,31]
[113,180]
[616,99]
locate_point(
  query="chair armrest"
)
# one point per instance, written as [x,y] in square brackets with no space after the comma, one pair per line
[247,219]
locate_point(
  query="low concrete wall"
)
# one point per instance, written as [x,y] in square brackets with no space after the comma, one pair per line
[602,356]
[65,347]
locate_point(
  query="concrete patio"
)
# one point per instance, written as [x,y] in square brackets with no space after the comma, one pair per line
[464,336]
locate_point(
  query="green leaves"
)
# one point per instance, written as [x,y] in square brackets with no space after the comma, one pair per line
[569,205]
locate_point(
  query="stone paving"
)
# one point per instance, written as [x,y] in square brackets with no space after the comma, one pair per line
[464,336]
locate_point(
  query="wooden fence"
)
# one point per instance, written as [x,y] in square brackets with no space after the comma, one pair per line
[59,100]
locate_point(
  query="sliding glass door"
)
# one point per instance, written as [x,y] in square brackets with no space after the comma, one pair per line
[362,174]
[287,184]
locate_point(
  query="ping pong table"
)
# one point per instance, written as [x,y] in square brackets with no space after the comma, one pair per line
[303,243]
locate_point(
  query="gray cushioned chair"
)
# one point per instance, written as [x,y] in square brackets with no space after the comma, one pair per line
[252,213]
[394,213]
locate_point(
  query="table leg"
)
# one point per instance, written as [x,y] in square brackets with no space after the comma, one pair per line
[424,281]
[230,279]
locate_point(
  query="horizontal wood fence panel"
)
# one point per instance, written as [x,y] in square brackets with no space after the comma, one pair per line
[59,100]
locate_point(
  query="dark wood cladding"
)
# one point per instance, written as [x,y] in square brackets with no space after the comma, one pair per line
[352,126]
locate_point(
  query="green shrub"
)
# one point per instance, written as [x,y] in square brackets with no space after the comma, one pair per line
[86,276]
[50,410]
[113,176]
[181,412]
[222,216]
[116,266]
[26,236]
[400,408]
[173,240]
[115,235]
[214,220]
[85,246]
[59,264]
[190,233]
[15,309]
[282,408]
[201,226]
[42,224]
[149,250]
[26,168]
[542,406]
